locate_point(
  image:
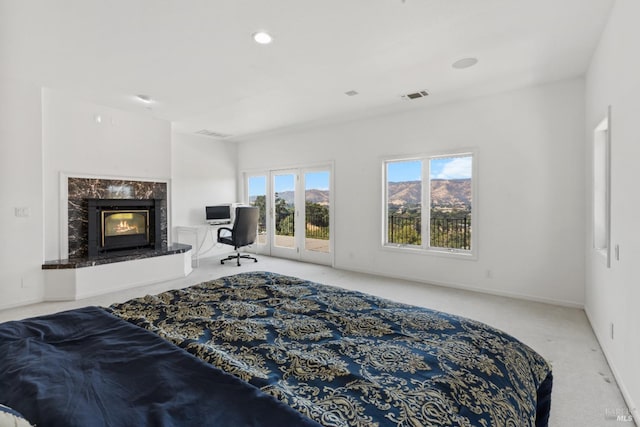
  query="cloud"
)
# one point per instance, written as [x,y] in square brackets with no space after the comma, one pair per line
[455,168]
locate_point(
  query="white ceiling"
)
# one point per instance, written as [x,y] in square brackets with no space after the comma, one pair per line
[197,60]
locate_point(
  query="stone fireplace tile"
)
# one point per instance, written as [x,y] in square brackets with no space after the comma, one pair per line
[81,189]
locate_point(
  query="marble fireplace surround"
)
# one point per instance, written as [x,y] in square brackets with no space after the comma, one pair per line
[81,189]
[76,275]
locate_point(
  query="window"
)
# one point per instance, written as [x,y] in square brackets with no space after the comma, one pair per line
[602,190]
[428,203]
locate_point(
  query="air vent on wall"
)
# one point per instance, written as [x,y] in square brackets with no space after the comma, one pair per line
[415,95]
[212,134]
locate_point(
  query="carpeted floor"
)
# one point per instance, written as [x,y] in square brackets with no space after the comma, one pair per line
[584,391]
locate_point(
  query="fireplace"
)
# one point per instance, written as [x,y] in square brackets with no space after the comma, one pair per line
[116,225]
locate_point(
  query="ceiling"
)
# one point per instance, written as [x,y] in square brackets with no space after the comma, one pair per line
[198,62]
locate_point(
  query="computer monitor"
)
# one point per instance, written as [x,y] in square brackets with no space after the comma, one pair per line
[218,214]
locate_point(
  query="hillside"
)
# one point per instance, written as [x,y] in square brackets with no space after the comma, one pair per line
[445,193]
[320,197]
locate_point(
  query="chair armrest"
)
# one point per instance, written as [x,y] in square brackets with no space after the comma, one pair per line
[224,228]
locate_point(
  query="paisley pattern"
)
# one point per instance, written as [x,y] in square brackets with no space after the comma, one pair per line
[345,358]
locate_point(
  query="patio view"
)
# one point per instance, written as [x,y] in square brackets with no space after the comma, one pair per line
[316,210]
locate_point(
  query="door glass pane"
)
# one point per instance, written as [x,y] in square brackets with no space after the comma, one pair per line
[258,197]
[316,196]
[404,202]
[450,184]
[284,210]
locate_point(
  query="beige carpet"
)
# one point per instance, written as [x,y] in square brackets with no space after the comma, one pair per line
[584,390]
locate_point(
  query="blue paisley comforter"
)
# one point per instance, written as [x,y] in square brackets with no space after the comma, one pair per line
[344,358]
[87,368]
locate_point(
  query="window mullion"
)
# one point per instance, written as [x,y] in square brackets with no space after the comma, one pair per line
[426,205]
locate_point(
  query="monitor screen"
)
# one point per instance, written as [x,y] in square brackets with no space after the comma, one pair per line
[218,213]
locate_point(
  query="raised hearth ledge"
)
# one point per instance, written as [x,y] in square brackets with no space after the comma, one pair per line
[176,248]
[82,278]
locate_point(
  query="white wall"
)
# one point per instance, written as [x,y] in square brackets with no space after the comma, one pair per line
[45,133]
[20,187]
[122,145]
[203,173]
[530,203]
[612,295]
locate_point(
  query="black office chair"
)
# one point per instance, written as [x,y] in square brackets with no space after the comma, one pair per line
[244,232]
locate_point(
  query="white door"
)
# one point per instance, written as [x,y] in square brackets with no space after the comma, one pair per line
[257,191]
[296,213]
[284,214]
[316,217]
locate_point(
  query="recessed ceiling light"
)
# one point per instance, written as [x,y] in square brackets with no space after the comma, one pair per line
[464,63]
[262,37]
[144,98]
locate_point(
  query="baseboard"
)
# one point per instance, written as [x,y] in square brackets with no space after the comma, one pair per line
[515,295]
[21,303]
[633,408]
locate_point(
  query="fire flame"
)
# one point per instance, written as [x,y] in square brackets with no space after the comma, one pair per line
[124,227]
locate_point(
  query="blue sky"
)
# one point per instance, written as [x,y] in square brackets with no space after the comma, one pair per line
[313,180]
[257,185]
[316,180]
[441,168]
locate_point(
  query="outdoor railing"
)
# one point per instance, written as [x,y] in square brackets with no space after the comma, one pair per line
[316,226]
[451,233]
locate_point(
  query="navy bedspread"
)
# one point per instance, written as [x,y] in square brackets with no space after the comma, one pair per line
[345,358]
[88,368]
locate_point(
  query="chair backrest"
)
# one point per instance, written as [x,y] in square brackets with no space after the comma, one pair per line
[245,226]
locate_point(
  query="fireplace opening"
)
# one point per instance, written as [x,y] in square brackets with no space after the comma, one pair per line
[122,224]
[126,228]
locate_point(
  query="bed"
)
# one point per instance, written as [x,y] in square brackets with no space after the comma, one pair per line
[261,348]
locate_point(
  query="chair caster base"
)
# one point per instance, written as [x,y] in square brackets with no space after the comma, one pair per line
[237,258]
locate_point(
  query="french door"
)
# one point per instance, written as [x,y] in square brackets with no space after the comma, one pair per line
[296,218]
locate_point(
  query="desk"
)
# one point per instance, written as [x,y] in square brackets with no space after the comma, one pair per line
[199,235]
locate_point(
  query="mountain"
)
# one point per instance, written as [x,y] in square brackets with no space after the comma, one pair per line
[404,193]
[320,197]
[451,193]
[447,193]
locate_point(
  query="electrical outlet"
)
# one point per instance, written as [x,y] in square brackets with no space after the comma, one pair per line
[22,212]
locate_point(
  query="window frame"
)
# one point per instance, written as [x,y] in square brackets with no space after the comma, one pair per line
[425,246]
[601,189]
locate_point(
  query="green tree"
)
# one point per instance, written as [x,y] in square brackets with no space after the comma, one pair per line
[261,203]
[317,220]
[284,217]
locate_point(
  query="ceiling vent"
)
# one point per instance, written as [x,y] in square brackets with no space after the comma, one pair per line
[416,95]
[212,134]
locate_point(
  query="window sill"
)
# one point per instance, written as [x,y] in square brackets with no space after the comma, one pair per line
[444,253]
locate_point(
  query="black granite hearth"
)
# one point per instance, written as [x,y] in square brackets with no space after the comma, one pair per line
[130,255]
[80,191]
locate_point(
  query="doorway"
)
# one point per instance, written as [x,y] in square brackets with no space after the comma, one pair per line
[296,212]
